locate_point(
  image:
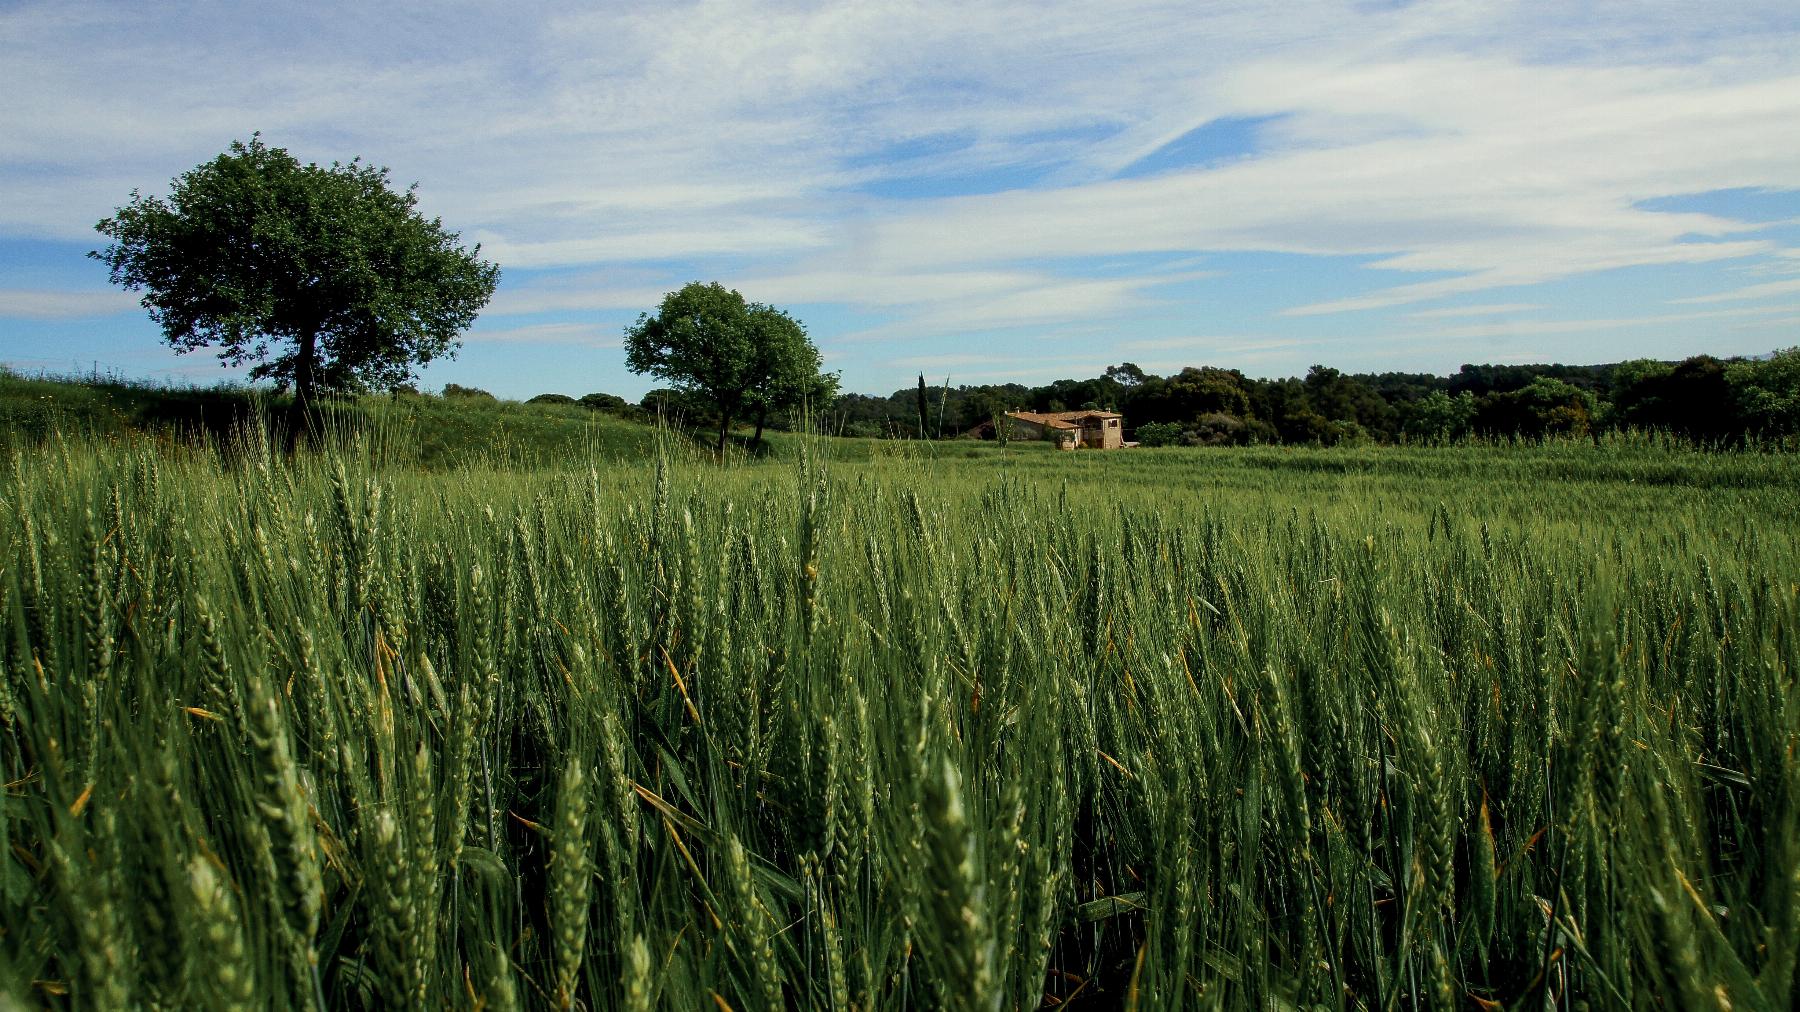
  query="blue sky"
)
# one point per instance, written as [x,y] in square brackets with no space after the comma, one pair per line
[979,191]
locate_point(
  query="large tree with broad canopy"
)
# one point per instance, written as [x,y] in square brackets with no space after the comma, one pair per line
[325,277]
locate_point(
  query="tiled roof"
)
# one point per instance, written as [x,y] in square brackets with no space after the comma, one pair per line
[1049,421]
[1061,419]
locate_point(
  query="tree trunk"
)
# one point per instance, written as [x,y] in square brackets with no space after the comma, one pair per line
[305,372]
[724,428]
[762,415]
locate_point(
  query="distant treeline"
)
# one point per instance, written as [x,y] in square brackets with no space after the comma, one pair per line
[1703,398]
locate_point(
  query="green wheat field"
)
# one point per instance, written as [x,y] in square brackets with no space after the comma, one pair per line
[1272,729]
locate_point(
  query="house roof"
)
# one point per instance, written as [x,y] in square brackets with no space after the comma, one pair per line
[1046,420]
[1060,419]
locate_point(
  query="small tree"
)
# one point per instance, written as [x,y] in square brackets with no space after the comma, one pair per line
[323,276]
[1125,374]
[610,403]
[1438,417]
[1159,434]
[922,405]
[1767,393]
[741,358]
[788,367]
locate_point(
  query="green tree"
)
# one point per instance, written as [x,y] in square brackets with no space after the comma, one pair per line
[1159,434]
[788,367]
[610,403]
[1544,407]
[324,276]
[673,405]
[700,341]
[1438,417]
[1186,396]
[736,356]
[1125,374]
[1639,395]
[1696,397]
[1767,393]
[982,405]
[1348,403]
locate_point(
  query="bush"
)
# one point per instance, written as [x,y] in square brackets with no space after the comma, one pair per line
[1438,417]
[674,404]
[1217,429]
[1261,433]
[611,403]
[1159,434]
[453,390]
[552,399]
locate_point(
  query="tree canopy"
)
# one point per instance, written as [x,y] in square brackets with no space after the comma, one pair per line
[323,276]
[743,359]
[788,370]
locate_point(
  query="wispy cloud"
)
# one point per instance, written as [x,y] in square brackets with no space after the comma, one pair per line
[1766,290]
[564,295]
[803,152]
[41,304]
[1517,328]
[582,334]
[1494,309]
[1233,344]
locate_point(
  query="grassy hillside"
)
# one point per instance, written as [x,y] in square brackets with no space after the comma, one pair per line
[410,429]
[426,431]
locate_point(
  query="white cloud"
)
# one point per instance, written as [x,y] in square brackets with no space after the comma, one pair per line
[1492,309]
[1457,147]
[41,304]
[1762,291]
[939,363]
[1506,175]
[1231,344]
[583,334]
[744,236]
[1779,321]
[963,369]
[1517,328]
[588,294]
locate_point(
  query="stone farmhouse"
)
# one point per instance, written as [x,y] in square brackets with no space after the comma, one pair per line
[1070,430]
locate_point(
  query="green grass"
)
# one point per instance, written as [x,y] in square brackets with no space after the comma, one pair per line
[412,430]
[876,725]
[409,429]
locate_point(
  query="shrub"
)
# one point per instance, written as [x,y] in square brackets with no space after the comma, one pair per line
[1159,434]
[1217,429]
[611,403]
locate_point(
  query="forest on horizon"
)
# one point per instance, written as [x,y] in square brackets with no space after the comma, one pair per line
[1704,398]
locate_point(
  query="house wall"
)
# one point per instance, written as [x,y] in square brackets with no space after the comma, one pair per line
[1109,434]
